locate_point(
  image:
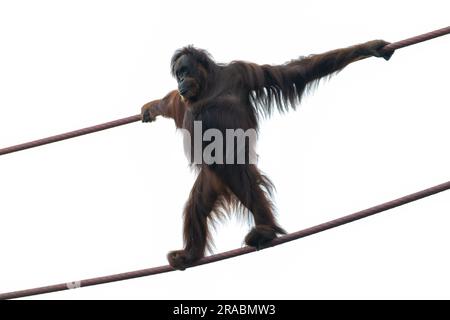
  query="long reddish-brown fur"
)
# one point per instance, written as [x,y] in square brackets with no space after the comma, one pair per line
[233,96]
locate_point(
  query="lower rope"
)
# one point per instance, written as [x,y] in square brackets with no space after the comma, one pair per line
[233,253]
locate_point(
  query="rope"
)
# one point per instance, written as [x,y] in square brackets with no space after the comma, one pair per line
[418,39]
[120,122]
[71,134]
[233,253]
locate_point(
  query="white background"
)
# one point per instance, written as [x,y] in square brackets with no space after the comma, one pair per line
[111,202]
